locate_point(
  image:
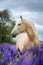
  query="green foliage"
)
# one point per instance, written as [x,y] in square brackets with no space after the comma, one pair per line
[1,53]
[6,25]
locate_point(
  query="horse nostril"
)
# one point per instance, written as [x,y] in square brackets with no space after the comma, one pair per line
[13,34]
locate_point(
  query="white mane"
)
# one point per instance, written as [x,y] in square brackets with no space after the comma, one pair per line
[32,24]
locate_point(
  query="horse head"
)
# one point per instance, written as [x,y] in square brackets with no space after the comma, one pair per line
[19,27]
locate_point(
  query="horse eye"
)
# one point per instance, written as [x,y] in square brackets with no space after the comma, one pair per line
[19,24]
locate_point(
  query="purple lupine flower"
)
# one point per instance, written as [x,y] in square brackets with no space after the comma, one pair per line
[8,55]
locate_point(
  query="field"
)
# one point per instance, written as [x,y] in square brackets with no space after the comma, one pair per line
[9,55]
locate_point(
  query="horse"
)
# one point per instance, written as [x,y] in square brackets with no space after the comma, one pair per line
[25,30]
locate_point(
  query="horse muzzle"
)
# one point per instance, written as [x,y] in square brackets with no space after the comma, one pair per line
[14,34]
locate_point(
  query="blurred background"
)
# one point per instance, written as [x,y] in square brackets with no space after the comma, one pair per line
[10,10]
[6,25]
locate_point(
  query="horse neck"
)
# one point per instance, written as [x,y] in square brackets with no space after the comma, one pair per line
[30,31]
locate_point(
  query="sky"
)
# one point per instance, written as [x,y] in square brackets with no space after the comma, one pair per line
[31,10]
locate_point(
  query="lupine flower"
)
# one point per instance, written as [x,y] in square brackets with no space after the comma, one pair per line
[8,55]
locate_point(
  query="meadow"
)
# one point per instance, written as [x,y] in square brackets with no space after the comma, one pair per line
[8,55]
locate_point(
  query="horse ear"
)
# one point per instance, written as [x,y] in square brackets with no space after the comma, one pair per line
[21,17]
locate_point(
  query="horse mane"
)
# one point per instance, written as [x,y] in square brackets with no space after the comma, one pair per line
[31,24]
[31,30]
